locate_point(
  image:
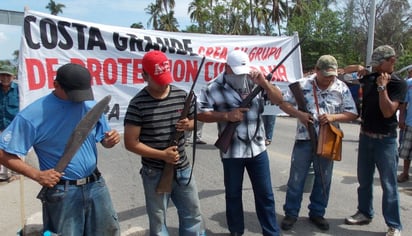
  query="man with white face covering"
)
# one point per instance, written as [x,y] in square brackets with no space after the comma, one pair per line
[219,102]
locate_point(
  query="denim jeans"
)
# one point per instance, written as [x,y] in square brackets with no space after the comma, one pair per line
[269,123]
[383,154]
[185,198]
[259,174]
[85,210]
[302,158]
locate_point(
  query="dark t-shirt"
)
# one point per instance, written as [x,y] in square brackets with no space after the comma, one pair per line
[157,119]
[372,117]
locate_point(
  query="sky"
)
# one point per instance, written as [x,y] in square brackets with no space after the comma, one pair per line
[117,13]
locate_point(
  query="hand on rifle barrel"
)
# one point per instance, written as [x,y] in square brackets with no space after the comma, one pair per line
[305,118]
[236,114]
[258,78]
[172,155]
[184,125]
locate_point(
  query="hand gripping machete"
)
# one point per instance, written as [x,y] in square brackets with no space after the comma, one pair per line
[78,136]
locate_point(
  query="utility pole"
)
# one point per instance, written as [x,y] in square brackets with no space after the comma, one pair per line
[371,32]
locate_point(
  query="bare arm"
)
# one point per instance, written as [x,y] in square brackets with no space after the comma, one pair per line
[133,144]
[402,115]
[304,117]
[218,116]
[273,92]
[339,117]
[386,105]
[111,138]
[47,178]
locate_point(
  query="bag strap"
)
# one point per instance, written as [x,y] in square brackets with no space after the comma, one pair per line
[334,129]
[315,96]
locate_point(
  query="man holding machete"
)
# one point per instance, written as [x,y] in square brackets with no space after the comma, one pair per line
[77,201]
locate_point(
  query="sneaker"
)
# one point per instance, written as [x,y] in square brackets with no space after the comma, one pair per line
[320,222]
[288,222]
[358,219]
[393,232]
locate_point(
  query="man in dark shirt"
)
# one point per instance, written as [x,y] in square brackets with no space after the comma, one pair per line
[152,117]
[382,94]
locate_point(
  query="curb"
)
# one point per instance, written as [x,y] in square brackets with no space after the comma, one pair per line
[34,227]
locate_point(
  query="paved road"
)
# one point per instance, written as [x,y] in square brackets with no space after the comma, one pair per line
[120,168]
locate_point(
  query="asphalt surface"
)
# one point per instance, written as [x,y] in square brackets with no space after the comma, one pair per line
[121,171]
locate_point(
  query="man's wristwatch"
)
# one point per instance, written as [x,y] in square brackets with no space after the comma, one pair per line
[381,88]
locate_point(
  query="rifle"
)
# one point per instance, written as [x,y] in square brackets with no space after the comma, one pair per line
[225,138]
[300,101]
[166,180]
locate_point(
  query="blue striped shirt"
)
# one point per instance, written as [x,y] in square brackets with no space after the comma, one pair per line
[249,138]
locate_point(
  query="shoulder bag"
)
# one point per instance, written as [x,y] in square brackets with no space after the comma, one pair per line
[330,138]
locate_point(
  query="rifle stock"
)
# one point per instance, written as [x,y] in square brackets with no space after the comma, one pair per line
[166,180]
[225,138]
[300,101]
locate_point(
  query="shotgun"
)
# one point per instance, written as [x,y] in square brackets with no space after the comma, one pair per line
[166,180]
[300,101]
[225,138]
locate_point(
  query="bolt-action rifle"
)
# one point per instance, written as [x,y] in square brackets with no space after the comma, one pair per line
[166,180]
[225,138]
[300,101]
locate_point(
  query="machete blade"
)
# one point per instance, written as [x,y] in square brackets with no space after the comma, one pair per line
[81,132]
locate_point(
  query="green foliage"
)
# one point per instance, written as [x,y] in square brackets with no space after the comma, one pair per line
[330,27]
[55,8]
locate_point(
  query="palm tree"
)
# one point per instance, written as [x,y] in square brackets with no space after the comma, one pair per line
[55,8]
[262,15]
[278,12]
[238,12]
[138,25]
[166,5]
[154,10]
[168,22]
[198,13]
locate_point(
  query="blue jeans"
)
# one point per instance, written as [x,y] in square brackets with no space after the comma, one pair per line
[383,154]
[185,198]
[80,210]
[259,174]
[269,123]
[302,158]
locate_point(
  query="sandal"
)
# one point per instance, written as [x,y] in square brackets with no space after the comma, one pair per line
[403,178]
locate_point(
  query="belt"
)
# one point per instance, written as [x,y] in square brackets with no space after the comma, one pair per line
[375,135]
[89,179]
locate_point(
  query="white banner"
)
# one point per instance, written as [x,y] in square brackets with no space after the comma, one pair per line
[113,56]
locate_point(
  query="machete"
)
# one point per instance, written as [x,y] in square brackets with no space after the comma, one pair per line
[78,136]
